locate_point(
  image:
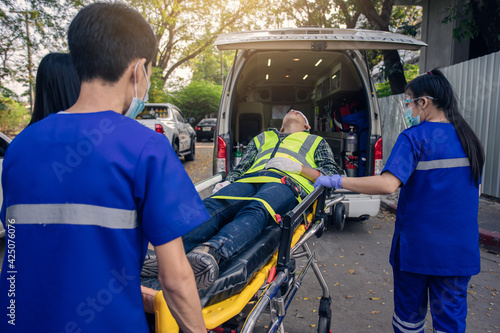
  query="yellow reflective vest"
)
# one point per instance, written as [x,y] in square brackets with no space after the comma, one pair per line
[298,147]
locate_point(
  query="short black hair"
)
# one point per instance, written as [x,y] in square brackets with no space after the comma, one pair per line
[57,86]
[104,38]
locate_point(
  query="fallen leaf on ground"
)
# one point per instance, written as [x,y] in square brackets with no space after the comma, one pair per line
[351,271]
[347,296]
[375,298]
[374,312]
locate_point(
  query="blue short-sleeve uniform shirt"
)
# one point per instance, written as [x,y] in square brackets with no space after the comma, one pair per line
[436,229]
[83,196]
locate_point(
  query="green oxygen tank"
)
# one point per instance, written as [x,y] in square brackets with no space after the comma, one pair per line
[237,154]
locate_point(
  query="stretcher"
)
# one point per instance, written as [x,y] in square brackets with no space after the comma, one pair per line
[261,279]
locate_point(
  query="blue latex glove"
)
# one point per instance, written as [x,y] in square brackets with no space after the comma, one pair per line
[334,181]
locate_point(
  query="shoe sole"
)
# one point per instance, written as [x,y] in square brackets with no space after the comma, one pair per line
[205,269]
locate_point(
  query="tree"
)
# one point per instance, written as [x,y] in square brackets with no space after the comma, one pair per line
[13,116]
[478,20]
[185,28]
[392,62]
[26,29]
[207,66]
[199,99]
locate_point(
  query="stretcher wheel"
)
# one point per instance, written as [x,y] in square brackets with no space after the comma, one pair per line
[339,216]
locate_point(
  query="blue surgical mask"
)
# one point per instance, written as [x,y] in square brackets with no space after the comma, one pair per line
[409,119]
[137,104]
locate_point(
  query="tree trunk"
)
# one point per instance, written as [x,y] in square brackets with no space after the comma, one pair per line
[395,71]
[392,62]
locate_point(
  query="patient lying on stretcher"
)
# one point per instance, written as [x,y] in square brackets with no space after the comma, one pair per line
[276,169]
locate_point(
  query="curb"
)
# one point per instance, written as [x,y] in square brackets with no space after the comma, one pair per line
[487,239]
[490,239]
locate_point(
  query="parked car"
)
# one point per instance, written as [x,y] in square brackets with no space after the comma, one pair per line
[167,119]
[4,143]
[324,74]
[206,129]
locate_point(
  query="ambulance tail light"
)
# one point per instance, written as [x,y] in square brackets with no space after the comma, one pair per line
[222,159]
[378,155]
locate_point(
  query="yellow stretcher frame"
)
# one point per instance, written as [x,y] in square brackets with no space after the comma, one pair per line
[219,313]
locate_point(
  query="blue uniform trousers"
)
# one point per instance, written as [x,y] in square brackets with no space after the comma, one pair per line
[445,295]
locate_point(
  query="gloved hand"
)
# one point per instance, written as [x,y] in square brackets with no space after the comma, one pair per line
[284,164]
[334,181]
[218,186]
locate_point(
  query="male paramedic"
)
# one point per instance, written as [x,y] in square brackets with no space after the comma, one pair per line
[254,193]
[86,189]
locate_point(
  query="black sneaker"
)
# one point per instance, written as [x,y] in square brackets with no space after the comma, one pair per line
[204,261]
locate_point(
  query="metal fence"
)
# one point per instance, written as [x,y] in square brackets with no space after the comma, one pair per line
[476,83]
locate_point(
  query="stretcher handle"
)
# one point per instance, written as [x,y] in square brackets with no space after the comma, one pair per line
[204,184]
[308,201]
[284,264]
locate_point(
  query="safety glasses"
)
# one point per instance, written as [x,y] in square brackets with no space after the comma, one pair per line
[408,100]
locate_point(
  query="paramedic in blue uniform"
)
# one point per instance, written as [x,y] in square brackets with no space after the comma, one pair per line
[437,161]
[78,229]
[236,223]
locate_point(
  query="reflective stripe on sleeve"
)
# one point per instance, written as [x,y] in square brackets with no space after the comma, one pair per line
[75,214]
[443,164]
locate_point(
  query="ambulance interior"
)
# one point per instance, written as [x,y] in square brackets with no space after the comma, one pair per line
[324,85]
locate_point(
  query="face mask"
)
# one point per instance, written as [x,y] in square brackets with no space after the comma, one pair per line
[137,104]
[409,120]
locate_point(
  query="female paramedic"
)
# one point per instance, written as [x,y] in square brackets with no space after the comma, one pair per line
[437,161]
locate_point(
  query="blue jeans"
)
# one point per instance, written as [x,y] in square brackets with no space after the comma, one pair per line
[235,224]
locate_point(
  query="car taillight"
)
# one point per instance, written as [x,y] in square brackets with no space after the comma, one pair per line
[159,128]
[197,128]
[221,155]
[377,157]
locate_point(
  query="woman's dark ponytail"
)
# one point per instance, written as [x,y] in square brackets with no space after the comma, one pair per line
[435,84]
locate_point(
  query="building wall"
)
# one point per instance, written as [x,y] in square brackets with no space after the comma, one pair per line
[443,49]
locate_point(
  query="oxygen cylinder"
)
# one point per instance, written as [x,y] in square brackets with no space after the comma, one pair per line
[237,154]
[351,156]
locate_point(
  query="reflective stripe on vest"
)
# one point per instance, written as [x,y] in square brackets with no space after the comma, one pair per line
[276,217]
[298,147]
[75,214]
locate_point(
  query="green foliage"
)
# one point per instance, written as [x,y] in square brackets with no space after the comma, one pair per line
[157,93]
[199,99]
[28,29]
[467,27]
[207,66]
[13,116]
[384,89]
[184,29]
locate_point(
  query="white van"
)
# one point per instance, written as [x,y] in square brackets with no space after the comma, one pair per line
[324,74]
